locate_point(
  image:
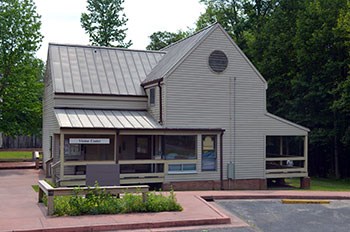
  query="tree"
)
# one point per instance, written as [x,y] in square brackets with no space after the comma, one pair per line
[321,61]
[242,19]
[20,72]
[105,23]
[162,39]
[229,14]
[21,106]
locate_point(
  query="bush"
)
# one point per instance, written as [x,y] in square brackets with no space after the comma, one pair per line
[97,201]
[158,203]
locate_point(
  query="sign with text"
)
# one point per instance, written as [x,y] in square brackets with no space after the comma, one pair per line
[88,141]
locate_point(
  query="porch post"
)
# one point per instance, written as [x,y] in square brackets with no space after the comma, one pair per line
[116,147]
[306,154]
[61,155]
[281,146]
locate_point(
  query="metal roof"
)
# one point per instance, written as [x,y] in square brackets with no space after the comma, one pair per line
[100,70]
[83,118]
[176,52]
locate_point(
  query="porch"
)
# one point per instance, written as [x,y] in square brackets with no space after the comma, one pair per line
[143,156]
[286,156]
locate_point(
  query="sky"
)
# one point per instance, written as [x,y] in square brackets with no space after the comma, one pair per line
[61,20]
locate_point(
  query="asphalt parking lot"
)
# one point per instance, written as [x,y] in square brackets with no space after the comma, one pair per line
[273,216]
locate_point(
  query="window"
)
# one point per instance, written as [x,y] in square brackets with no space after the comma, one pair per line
[179,147]
[181,168]
[152,96]
[209,154]
[88,147]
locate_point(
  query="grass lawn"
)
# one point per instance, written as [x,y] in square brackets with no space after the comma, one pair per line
[324,184]
[35,188]
[15,155]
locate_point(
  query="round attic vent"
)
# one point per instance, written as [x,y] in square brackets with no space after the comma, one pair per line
[218,61]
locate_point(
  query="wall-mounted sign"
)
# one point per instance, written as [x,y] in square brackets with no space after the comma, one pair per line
[88,141]
[208,143]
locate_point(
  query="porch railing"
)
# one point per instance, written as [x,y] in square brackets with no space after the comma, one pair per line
[142,171]
[131,171]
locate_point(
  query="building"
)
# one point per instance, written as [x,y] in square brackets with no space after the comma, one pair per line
[192,115]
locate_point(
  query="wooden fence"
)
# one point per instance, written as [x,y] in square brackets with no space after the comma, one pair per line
[18,142]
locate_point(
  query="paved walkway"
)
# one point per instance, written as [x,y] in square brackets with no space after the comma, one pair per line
[19,210]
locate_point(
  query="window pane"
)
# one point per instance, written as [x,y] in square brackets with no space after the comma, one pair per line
[189,167]
[152,96]
[209,154]
[175,168]
[180,147]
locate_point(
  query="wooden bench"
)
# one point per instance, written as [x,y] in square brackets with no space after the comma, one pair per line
[50,192]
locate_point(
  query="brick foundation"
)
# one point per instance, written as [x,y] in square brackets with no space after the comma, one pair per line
[192,185]
[305,182]
[248,184]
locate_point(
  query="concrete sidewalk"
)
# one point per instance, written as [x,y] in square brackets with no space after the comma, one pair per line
[19,210]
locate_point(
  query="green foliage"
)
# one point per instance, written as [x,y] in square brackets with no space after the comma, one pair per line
[229,14]
[162,39]
[35,188]
[21,74]
[105,23]
[97,201]
[158,203]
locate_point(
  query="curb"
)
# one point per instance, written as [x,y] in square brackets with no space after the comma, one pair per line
[304,201]
[7,167]
[135,226]
[261,197]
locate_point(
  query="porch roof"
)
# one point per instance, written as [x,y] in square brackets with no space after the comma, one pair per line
[106,119]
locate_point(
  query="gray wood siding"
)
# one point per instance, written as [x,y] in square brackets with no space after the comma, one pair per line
[101,102]
[50,124]
[274,126]
[198,97]
[153,109]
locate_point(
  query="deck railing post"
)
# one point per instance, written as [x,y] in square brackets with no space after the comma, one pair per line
[50,203]
[144,197]
[41,195]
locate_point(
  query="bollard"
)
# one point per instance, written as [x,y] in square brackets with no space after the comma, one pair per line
[36,157]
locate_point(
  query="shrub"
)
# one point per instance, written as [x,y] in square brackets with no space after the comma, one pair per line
[97,201]
[157,202]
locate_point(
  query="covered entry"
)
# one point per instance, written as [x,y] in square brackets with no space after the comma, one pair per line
[286,149]
[145,151]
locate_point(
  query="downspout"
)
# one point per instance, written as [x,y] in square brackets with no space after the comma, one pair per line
[221,161]
[160,104]
[234,126]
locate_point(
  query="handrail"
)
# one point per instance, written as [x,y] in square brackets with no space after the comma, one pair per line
[55,164]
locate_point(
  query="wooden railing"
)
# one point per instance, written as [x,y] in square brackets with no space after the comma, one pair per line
[50,192]
[153,176]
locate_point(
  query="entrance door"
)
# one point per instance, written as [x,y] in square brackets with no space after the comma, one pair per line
[143,147]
